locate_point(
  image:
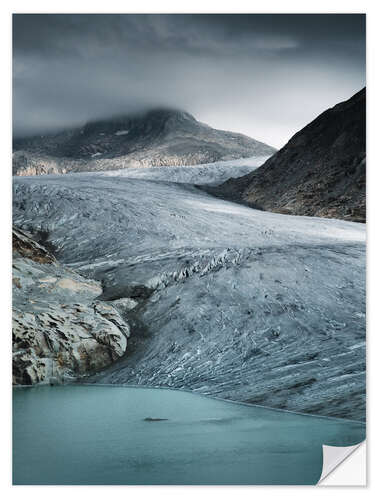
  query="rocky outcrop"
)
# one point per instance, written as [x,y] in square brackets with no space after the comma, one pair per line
[320,172]
[60,329]
[27,164]
[161,137]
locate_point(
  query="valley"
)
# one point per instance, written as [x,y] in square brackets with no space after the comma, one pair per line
[230,301]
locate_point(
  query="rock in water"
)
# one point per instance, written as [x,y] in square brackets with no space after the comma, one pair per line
[161,137]
[320,172]
[59,330]
[150,419]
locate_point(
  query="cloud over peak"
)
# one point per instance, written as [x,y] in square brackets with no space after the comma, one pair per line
[263,75]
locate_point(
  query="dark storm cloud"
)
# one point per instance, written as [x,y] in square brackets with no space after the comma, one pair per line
[263,75]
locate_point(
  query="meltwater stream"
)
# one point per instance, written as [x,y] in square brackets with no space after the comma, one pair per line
[118,435]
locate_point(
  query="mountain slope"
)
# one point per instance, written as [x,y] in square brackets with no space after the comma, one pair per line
[320,172]
[157,138]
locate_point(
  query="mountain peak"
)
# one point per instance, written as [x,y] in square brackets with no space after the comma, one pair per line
[153,115]
[157,137]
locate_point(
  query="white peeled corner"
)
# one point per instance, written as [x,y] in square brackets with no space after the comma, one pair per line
[344,465]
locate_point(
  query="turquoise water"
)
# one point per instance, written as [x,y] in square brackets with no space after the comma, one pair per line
[98,435]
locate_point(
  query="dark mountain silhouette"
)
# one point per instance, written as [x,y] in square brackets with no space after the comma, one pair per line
[320,172]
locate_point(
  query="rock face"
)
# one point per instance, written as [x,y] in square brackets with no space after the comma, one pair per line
[161,137]
[59,330]
[25,163]
[320,172]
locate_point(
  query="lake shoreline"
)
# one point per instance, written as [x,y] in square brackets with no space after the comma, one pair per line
[242,403]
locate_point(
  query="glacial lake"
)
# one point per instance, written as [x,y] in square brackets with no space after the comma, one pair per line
[98,435]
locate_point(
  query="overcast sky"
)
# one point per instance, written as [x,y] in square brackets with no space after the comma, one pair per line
[263,75]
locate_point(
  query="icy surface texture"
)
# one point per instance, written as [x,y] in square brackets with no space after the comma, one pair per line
[230,301]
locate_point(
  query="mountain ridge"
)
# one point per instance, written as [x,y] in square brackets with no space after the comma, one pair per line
[159,137]
[320,172]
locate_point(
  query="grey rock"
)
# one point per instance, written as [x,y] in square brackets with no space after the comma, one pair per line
[60,330]
[150,419]
[124,305]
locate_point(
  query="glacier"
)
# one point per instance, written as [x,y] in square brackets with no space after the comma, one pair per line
[231,302]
